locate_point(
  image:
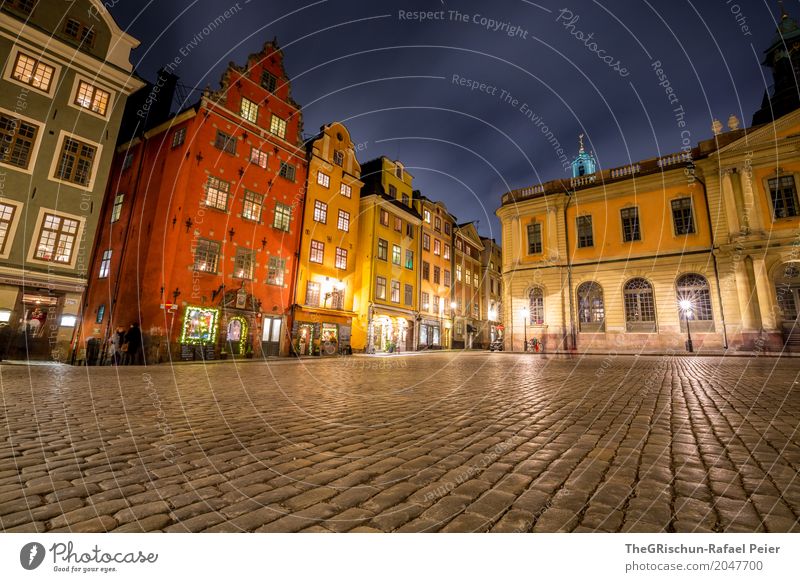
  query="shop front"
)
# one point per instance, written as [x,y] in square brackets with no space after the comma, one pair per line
[198,339]
[430,335]
[391,333]
[321,333]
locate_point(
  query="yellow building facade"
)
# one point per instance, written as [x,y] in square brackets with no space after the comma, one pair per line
[467,287]
[329,248]
[435,320]
[386,297]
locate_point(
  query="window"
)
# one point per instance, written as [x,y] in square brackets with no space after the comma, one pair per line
[426,270]
[787,287]
[278,126]
[251,209]
[25,6]
[458,272]
[33,72]
[446,278]
[101,312]
[244,263]
[392,190]
[409,230]
[344,221]
[116,210]
[178,137]
[225,142]
[468,277]
[206,256]
[338,157]
[283,216]
[437,247]
[437,224]
[591,308]
[92,98]
[79,31]
[75,162]
[459,244]
[535,238]
[436,303]
[217,193]
[383,249]
[396,254]
[276,267]
[341,258]
[269,81]
[406,200]
[447,228]
[426,216]
[395,291]
[317,251]
[409,295]
[694,288]
[258,157]
[682,218]
[426,301]
[536,306]
[337,299]
[398,224]
[783,194]
[287,171]
[426,242]
[409,259]
[345,190]
[585,232]
[437,274]
[380,288]
[630,224]
[398,171]
[323,179]
[320,212]
[476,310]
[249,110]
[384,217]
[640,309]
[446,251]
[105,264]
[7,212]
[17,139]
[127,161]
[312,294]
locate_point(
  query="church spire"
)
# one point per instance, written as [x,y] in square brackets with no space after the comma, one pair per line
[584,164]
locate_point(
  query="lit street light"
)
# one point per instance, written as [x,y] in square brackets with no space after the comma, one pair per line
[687,307]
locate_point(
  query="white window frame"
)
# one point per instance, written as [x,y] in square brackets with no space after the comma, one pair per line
[31,258]
[281,124]
[112,97]
[251,106]
[105,264]
[57,153]
[12,227]
[346,190]
[8,74]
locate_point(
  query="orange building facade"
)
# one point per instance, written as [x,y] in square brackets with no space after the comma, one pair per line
[201,224]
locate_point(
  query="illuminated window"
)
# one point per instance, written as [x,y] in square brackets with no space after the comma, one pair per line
[283,217]
[7,212]
[426,216]
[323,179]
[446,254]
[101,312]
[341,258]
[278,126]
[57,237]
[345,191]
[344,221]
[437,247]
[249,110]
[33,72]
[536,306]
[409,259]
[92,98]
[206,256]
[317,252]
[384,217]
[640,307]
[258,157]
[320,212]
[105,264]
[217,193]
[276,267]
[244,263]
[396,254]
[398,224]
[251,209]
[312,294]
[591,307]
[380,288]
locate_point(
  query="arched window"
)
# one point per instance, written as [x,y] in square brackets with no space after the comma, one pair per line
[787,287]
[536,306]
[640,307]
[591,308]
[694,288]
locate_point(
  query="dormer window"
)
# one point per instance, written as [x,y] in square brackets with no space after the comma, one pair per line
[80,32]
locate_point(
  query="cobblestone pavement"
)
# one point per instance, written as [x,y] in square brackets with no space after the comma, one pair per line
[436,442]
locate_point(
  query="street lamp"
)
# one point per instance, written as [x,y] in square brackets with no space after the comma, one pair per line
[525,314]
[687,308]
[453,306]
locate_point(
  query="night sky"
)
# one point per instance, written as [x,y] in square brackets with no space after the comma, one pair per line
[390,78]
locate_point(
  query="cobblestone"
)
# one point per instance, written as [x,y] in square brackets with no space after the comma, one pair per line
[528,443]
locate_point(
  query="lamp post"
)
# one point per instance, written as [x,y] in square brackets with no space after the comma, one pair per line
[687,308]
[525,314]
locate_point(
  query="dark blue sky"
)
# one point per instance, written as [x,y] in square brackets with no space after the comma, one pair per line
[390,77]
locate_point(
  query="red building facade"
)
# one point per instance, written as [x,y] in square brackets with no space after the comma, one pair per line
[201,224]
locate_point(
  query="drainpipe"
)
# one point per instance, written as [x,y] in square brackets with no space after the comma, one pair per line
[716,268]
[572,334]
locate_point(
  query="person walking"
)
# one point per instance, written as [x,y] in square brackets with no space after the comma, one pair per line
[117,341]
[134,340]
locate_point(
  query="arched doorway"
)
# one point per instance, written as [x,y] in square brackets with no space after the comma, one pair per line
[787,289]
[236,335]
[591,308]
[694,288]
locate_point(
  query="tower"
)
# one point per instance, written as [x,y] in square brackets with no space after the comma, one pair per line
[585,163]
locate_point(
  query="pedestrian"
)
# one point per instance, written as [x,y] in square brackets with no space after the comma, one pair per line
[134,341]
[117,341]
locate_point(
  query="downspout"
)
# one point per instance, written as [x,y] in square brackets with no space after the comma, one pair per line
[716,268]
[572,335]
